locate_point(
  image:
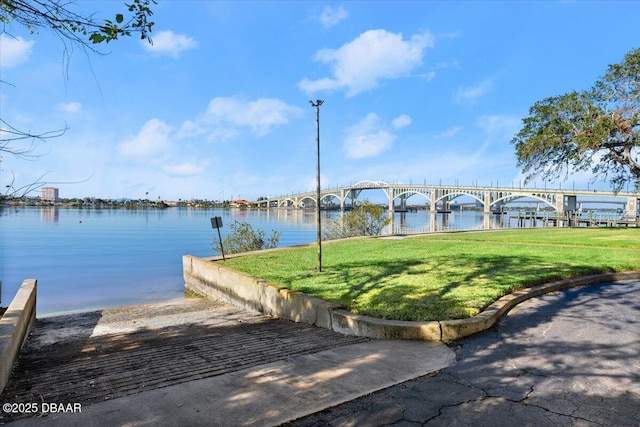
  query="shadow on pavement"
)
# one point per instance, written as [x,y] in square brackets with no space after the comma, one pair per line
[571,358]
[82,358]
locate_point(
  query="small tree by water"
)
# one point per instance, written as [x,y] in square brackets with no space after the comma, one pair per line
[365,220]
[243,238]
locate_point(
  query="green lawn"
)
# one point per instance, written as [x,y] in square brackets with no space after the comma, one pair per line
[443,276]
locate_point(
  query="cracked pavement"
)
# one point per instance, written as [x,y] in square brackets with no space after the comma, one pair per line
[570,358]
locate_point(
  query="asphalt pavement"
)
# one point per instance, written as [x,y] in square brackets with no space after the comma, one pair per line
[571,358]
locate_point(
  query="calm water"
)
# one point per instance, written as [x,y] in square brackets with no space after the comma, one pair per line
[89,259]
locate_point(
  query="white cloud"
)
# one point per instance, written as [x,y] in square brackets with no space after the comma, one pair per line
[429,76]
[447,64]
[330,16]
[69,107]
[225,117]
[187,168]
[152,140]
[170,44]
[190,129]
[260,115]
[499,127]
[14,51]
[448,133]
[439,66]
[367,138]
[401,121]
[361,64]
[470,94]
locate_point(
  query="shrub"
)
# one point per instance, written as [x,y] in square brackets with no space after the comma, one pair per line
[243,238]
[365,220]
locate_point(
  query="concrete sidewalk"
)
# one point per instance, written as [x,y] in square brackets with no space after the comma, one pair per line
[269,394]
[284,370]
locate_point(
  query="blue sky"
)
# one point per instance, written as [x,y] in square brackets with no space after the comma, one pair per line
[219,107]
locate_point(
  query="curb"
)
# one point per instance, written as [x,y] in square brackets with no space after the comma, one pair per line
[15,326]
[455,329]
[203,276]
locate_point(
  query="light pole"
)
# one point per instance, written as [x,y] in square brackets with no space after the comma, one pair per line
[317,105]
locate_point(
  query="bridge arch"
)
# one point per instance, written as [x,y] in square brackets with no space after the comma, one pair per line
[310,198]
[367,183]
[330,196]
[410,194]
[457,194]
[285,202]
[513,197]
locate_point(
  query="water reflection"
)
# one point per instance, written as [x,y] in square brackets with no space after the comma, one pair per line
[428,222]
[49,214]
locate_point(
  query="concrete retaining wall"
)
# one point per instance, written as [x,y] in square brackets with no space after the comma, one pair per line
[209,278]
[14,327]
[205,277]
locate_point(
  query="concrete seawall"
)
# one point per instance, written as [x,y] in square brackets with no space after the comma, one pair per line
[15,326]
[208,278]
[205,276]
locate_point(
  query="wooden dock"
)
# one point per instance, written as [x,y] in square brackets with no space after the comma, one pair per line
[570,220]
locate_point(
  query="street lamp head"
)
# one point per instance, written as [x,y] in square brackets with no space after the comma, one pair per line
[318,103]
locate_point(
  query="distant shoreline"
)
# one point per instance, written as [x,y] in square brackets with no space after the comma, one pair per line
[95,203]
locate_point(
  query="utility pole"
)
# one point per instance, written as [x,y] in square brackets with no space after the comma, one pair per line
[317,105]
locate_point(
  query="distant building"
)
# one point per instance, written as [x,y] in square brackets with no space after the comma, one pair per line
[50,194]
[240,203]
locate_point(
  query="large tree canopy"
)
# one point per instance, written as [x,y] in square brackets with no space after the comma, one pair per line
[597,130]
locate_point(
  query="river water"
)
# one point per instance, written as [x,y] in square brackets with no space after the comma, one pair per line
[88,259]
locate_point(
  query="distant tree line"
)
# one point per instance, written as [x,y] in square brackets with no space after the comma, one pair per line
[99,203]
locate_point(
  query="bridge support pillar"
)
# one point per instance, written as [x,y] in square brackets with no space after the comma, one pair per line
[487,201]
[631,208]
[559,202]
[403,202]
[353,195]
[391,205]
[570,204]
[433,196]
[391,193]
[566,203]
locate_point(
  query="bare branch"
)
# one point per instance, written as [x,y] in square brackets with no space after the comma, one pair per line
[12,192]
[10,134]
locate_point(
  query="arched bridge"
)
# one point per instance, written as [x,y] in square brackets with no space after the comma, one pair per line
[439,197]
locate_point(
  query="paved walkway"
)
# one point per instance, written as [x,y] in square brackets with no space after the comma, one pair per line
[198,362]
[567,359]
